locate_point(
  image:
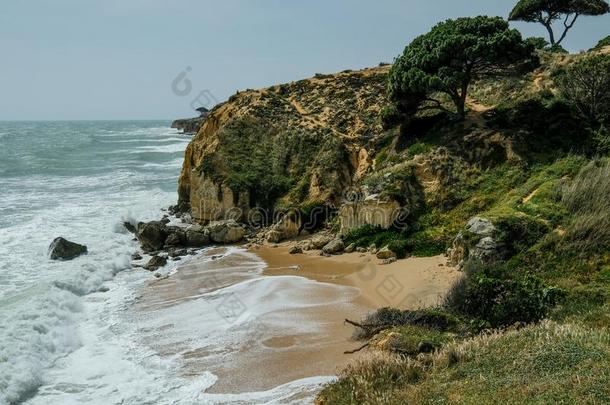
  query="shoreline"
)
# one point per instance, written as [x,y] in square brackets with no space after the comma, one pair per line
[298,304]
[410,283]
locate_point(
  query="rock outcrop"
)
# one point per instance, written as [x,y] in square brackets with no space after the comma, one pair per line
[228,231]
[322,125]
[62,249]
[151,235]
[477,241]
[371,211]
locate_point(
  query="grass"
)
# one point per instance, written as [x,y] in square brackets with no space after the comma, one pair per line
[539,364]
[587,199]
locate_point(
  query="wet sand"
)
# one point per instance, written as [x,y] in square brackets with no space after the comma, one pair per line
[293,326]
[412,283]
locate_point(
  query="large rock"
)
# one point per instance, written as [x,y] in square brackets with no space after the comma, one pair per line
[196,236]
[62,249]
[151,235]
[480,226]
[320,240]
[155,262]
[228,231]
[286,228]
[333,247]
[478,240]
[385,253]
[175,237]
[274,236]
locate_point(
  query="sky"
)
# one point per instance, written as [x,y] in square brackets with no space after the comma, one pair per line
[157,59]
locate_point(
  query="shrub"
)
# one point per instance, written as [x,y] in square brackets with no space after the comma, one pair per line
[586,86]
[491,295]
[517,233]
[552,124]
[537,42]
[411,340]
[587,199]
[391,117]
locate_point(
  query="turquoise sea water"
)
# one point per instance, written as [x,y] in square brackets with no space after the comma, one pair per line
[78,180]
[74,332]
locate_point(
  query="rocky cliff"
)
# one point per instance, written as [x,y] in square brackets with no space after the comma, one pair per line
[321,141]
[292,143]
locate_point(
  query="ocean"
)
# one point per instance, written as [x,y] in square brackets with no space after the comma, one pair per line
[76,332]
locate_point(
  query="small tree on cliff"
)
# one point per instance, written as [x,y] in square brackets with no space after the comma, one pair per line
[450,57]
[546,12]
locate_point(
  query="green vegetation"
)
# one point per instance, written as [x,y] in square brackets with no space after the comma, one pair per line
[270,163]
[587,200]
[585,85]
[450,57]
[539,364]
[546,12]
[495,296]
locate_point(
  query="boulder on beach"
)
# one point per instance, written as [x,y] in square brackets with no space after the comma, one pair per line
[62,249]
[155,262]
[321,240]
[333,247]
[175,236]
[228,231]
[295,250]
[196,236]
[151,235]
[386,254]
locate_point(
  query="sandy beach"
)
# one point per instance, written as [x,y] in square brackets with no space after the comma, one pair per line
[295,306]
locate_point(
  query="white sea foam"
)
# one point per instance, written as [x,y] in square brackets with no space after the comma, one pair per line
[69,332]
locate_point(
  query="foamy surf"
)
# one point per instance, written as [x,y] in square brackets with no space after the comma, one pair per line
[94,330]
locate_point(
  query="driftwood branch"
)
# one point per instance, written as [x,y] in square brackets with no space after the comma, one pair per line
[356,350]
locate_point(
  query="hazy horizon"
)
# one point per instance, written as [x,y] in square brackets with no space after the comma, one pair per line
[117,60]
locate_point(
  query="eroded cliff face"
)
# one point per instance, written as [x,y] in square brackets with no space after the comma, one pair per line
[320,140]
[316,135]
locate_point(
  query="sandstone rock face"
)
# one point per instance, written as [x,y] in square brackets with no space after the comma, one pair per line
[151,235]
[62,249]
[350,248]
[385,253]
[371,211]
[188,125]
[328,108]
[286,228]
[333,247]
[228,231]
[213,202]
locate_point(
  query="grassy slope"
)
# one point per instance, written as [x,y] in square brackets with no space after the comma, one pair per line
[540,364]
[564,360]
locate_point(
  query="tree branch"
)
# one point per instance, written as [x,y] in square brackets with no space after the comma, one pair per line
[567,26]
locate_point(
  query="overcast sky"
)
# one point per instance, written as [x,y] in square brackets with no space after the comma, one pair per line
[117,59]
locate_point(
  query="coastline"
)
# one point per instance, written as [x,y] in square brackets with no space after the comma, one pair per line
[298,304]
